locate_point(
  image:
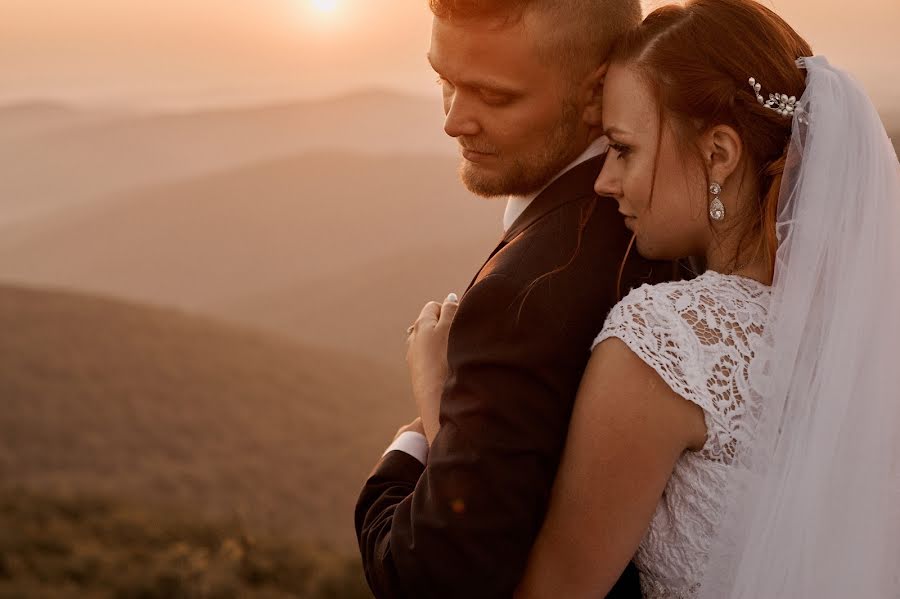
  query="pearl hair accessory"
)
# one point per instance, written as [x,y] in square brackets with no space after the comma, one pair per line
[781,103]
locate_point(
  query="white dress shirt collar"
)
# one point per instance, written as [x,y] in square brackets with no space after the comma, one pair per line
[516,205]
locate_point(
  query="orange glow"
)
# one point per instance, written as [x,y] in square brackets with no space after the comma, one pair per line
[325,6]
[109,51]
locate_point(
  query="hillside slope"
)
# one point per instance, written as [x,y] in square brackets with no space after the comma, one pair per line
[154,405]
[294,232]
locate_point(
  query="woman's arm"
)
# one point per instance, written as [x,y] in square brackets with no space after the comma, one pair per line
[628,429]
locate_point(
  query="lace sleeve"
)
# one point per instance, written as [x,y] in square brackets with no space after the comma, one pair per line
[649,323]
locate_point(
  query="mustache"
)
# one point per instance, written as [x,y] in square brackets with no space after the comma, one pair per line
[476,146]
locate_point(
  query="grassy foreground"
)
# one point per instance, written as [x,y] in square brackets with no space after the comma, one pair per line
[77,547]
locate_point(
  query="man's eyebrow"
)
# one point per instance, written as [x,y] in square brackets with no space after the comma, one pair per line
[495,87]
[489,85]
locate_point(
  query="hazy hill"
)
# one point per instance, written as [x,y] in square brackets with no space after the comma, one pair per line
[268,242]
[891,119]
[23,120]
[155,405]
[53,155]
[365,309]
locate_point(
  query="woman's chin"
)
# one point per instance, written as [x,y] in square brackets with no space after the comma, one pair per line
[646,249]
[653,250]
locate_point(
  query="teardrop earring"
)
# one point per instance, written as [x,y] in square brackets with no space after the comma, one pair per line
[716,207]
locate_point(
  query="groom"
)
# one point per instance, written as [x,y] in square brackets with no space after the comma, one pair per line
[522,94]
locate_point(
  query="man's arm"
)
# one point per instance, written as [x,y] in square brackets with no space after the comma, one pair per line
[465,526]
[393,480]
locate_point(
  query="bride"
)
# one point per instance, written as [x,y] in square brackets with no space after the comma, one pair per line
[738,433]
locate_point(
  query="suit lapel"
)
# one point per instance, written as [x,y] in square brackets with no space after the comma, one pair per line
[499,247]
[574,185]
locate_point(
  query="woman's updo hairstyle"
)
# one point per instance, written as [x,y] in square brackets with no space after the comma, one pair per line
[698,59]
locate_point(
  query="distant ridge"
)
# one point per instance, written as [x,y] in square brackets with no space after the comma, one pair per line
[24,119]
[45,105]
[155,405]
[52,157]
[36,105]
[274,243]
[357,96]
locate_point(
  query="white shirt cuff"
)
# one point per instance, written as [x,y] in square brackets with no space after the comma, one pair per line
[412,443]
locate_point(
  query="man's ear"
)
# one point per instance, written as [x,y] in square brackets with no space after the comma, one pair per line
[592,96]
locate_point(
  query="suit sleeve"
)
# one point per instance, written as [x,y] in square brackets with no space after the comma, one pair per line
[465,526]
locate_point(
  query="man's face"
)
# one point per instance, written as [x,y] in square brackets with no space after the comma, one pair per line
[515,116]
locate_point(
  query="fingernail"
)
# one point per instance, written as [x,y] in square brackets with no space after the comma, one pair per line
[452,298]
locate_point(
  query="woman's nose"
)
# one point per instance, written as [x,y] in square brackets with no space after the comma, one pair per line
[608,182]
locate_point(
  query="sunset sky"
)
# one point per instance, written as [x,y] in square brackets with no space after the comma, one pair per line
[200,52]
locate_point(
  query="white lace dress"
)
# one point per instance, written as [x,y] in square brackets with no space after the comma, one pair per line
[700,337]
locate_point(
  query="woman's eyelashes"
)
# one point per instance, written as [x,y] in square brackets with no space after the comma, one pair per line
[622,151]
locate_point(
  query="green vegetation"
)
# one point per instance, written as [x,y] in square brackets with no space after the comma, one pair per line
[82,547]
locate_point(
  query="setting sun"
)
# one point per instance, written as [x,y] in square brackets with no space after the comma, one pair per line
[325,6]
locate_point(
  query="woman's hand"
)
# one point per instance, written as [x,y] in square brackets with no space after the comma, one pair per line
[426,357]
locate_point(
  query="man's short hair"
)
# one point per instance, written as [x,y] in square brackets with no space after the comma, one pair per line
[580,33]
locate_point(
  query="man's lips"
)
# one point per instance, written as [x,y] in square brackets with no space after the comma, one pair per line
[475,156]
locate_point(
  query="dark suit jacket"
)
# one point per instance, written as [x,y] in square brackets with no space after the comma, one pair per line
[462,527]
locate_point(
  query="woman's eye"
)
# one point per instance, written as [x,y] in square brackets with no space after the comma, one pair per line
[622,151]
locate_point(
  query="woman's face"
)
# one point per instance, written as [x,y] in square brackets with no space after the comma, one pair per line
[675,223]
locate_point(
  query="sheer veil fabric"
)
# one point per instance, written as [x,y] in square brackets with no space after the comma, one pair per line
[813,508]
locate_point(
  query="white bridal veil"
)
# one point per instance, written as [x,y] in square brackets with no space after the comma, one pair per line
[814,507]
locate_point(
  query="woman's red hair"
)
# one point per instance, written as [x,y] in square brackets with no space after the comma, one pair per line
[698,58]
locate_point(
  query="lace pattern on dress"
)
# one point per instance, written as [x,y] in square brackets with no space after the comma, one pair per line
[699,336]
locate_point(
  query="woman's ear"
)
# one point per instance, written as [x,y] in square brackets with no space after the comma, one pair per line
[592,96]
[722,152]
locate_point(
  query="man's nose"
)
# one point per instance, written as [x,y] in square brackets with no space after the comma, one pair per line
[461,120]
